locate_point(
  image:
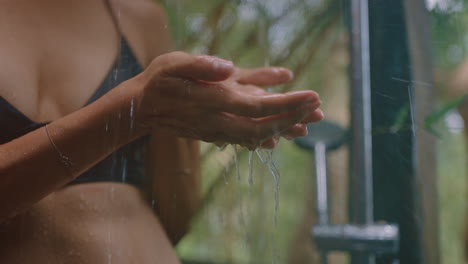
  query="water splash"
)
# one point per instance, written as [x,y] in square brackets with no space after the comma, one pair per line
[222,147]
[266,157]
[132,108]
[250,178]
[236,161]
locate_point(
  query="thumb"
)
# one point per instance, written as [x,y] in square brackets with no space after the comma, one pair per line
[200,68]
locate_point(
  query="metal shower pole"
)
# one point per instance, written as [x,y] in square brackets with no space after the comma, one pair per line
[361,185]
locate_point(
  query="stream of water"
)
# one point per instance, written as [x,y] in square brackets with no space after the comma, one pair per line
[266,158]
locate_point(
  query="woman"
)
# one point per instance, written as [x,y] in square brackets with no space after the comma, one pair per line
[99,158]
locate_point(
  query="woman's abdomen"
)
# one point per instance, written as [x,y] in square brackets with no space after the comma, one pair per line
[87,223]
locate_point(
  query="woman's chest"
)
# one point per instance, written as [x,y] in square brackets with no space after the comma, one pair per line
[50,67]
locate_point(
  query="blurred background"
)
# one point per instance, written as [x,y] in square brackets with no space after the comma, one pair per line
[259,223]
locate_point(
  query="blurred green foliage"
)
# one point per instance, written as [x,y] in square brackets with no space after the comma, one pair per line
[449,20]
[236,223]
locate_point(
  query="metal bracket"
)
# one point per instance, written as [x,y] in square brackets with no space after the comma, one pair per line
[377,238]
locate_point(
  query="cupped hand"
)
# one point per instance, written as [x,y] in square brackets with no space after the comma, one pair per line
[207,98]
[250,81]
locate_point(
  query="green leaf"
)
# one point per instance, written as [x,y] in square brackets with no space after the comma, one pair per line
[401,118]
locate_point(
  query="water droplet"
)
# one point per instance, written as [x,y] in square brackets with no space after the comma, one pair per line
[236,161]
[222,147]
[131,113]
[250,178]
[112,191]
[225,178]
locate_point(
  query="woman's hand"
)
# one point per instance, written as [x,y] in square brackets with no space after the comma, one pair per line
[207,98]
[249,81]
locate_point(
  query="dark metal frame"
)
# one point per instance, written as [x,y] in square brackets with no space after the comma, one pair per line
[391,58]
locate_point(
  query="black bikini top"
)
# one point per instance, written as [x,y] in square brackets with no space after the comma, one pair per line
[124,165]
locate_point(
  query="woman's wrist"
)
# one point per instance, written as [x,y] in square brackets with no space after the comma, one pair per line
[90,134]
[124,107]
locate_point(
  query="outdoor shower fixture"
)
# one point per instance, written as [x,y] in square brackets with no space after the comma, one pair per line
[392,159]
[366,238]
[363,238]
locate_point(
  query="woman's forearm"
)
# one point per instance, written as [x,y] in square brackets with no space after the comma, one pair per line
[174,167]
[40,162]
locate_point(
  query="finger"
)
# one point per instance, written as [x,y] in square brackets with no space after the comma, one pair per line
[298,130]
[315,116]
[265,76]
[222,97]
[270,143]
[256,131]
[256,106]
[251,89]
[201,68]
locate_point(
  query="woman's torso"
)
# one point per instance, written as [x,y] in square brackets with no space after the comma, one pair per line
[55,54]
[88,223]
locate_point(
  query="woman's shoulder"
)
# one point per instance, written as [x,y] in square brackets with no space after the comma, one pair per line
[147,21]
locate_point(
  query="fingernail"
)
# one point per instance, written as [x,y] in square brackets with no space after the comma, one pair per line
[290,74]
[310,107]
[311,99]
[223,65]
[218,63]
[321,114]
[284,72]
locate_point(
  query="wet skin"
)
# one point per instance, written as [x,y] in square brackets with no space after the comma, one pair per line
[180,98]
